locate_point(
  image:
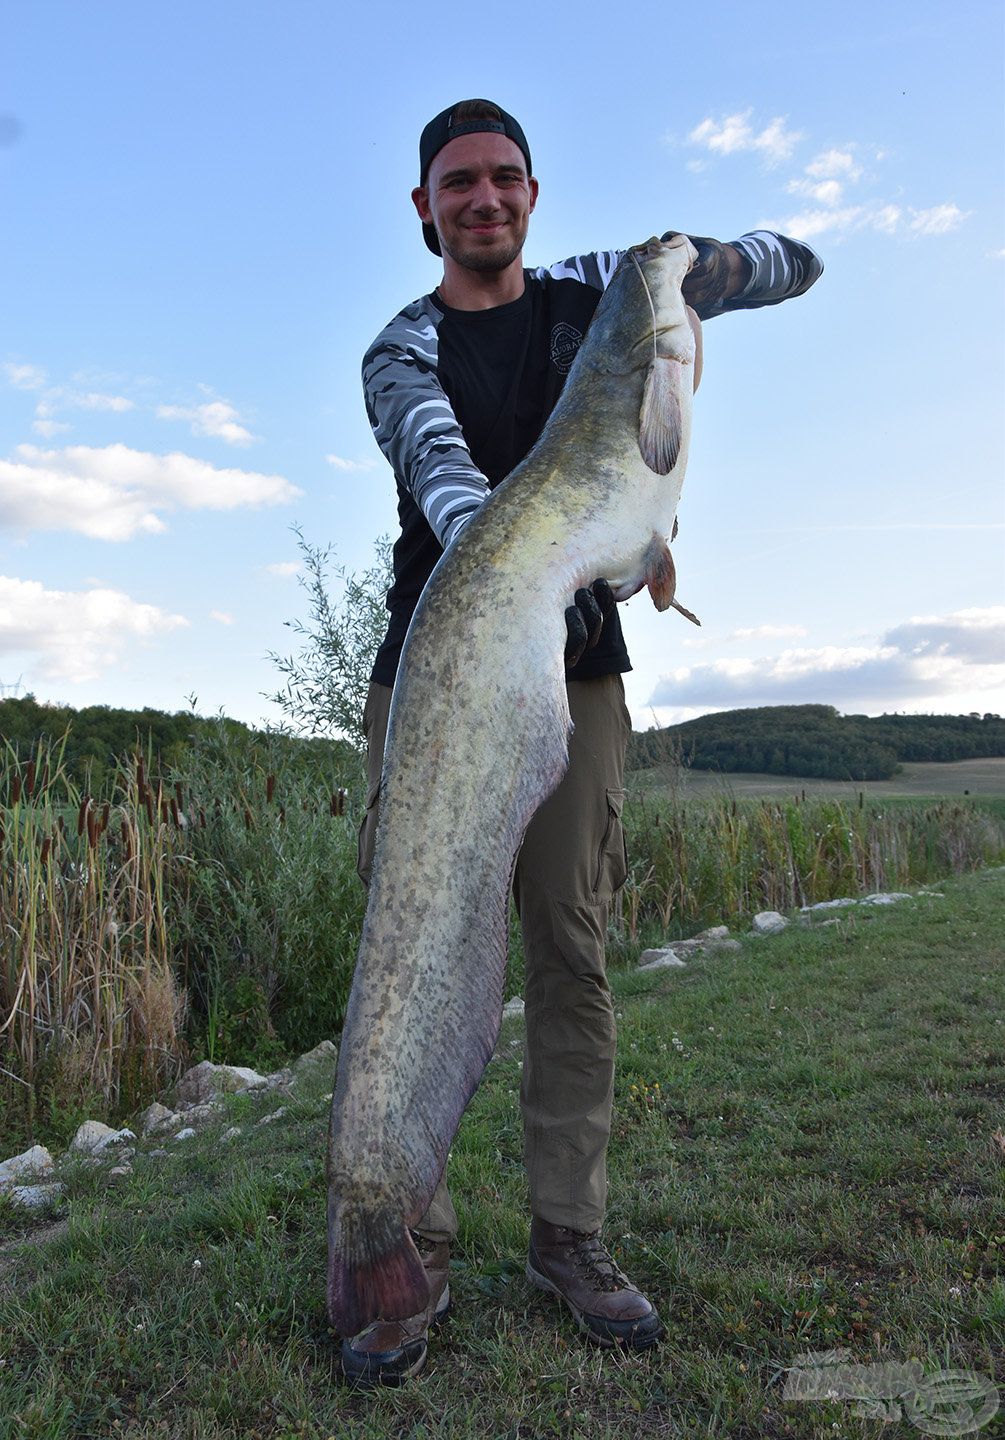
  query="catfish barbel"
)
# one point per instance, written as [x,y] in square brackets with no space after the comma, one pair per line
[477,741]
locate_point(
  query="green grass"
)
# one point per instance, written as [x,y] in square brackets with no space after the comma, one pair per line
[934,779]
[816,1169]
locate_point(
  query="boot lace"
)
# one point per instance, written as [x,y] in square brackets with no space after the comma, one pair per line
[594,1262]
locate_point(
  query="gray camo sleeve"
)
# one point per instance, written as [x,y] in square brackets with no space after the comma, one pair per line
[415,426]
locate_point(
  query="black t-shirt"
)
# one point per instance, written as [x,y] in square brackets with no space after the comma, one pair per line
[502,370]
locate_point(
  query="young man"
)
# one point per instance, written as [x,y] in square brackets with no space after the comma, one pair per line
[458,387]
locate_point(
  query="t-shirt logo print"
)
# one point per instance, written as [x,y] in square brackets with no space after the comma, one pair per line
[565,341]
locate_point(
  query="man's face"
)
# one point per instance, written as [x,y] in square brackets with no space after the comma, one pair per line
[479,197]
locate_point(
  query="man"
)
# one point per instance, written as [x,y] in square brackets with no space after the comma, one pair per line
[458,388]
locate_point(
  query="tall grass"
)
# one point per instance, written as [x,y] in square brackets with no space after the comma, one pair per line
[719,858]
[89,999]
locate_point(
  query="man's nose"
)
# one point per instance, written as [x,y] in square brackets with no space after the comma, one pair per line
[485,195]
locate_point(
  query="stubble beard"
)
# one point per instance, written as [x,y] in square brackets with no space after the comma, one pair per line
[483,259]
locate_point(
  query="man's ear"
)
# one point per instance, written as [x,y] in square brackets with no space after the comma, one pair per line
[532,186]
[420,199]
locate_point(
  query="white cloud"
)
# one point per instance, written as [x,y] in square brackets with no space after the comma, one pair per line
[95,401]
[767,632]
[340,463]
[284,568]
[24,377]
[115,492]
[834,164]
[735,133]
[48,428]
[939,220]
[216,418]
[221,617]
[927,657]
[75,635]
[824,192]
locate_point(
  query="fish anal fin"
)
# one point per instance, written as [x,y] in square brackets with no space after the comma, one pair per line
[661,573]
[661,420]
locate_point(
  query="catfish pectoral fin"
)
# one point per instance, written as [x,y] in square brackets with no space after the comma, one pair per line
[661,573]
[661,421]
[374,1270]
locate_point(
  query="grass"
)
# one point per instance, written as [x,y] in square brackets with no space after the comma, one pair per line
[983,776]
[815,1169]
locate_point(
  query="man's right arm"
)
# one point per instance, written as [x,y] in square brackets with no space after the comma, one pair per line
[414,424]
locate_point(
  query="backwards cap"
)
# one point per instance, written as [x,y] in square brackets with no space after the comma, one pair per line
[443,128]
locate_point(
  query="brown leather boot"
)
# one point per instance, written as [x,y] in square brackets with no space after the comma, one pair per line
[389,1351]
[577,1267]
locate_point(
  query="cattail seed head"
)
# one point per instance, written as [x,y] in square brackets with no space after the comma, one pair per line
[270,788]
[29,781]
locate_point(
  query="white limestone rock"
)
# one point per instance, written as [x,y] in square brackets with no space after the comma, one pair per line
[204,1082]
[714,932]
[93,1137]
[34,1197]
[513,1007]
[889,897]
[828,905]
[185,1134]
[120,1170]
[768,922]
[322,1060]
[270,1119]
[230,1134]
[660,960]
[36,1161]
[157,1118]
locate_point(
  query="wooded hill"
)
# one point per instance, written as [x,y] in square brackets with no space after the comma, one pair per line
[808,740]
[97,740]
[816,742]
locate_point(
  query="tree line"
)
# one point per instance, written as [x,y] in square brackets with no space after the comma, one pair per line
[816,742]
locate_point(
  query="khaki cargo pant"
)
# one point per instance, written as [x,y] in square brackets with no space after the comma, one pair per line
[570,866]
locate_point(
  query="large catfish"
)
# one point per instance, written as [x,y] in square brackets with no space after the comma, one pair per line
[478,740]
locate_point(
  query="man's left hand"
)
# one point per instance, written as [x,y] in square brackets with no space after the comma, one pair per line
[585,619]
[719,272]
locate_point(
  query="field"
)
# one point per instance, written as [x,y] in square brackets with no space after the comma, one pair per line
[936,778]
[807,1155]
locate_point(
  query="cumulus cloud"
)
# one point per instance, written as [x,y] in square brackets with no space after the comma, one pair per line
[115,492]
[767,632]
[917,662]
[49,428]
[284,568]
[939,220]
[74,635]
[216,418]
[733,133]
[24,377]
[338,462]
[221,617]
[834,164]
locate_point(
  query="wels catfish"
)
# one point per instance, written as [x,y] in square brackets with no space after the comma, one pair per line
[477,741]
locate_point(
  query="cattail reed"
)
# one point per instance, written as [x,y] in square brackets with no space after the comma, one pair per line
[270,788]
[29,781]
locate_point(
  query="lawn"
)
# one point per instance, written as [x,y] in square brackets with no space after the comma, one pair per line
[804,1158]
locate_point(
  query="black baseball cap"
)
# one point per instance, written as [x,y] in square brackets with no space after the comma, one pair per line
[444,127]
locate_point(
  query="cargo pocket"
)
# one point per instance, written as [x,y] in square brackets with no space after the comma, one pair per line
[612,861]
[368,834]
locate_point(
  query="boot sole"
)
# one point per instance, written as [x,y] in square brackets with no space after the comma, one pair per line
[606,1342]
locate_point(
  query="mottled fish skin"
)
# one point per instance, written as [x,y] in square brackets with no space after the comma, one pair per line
[477,740]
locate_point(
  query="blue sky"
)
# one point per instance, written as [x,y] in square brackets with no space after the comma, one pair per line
[206,219]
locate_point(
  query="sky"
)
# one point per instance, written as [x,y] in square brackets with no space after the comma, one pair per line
[205,219]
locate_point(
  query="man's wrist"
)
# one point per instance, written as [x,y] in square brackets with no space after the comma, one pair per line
[739,271]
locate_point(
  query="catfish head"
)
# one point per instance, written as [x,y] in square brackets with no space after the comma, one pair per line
[641,325]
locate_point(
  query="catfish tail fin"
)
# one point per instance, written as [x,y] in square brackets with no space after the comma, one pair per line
[374,1269]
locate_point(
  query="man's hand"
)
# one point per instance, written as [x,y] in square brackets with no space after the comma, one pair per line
[585,619]
[719,272]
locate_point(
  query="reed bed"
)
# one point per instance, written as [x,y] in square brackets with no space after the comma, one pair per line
[89,1000]
[215,912]
[720,859]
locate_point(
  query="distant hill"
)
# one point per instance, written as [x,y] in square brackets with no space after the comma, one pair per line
[100,738]
[815,741]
